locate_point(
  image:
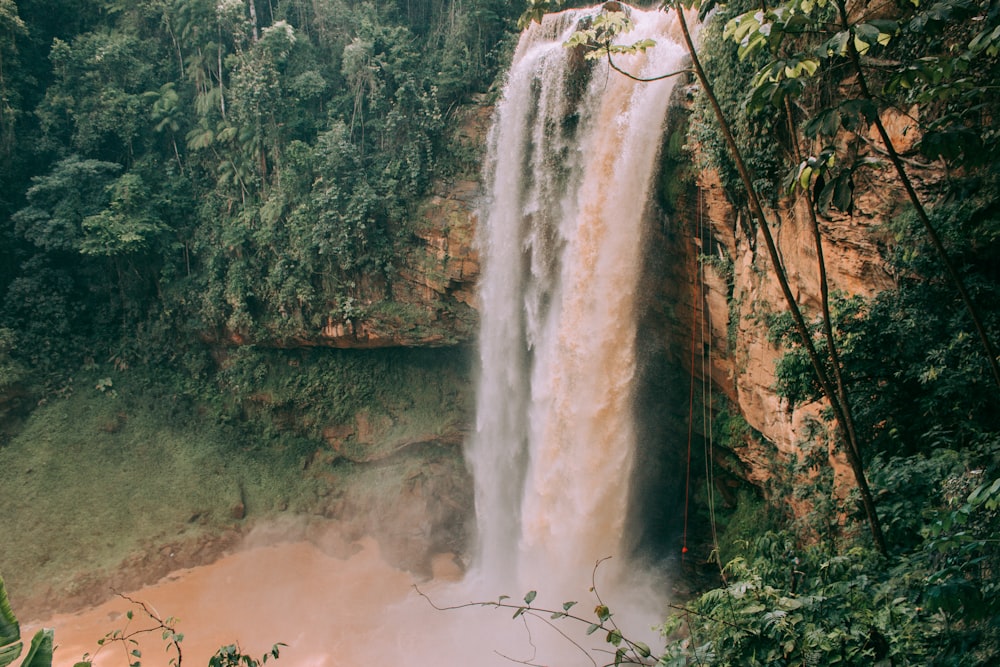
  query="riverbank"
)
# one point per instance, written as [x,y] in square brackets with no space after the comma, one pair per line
[118,481]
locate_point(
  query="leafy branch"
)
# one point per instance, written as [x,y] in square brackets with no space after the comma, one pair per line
[598,40]
[854,42]
[627,651]
[127,638]
[226,656]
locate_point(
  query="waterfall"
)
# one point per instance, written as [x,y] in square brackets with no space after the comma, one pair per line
[572,158]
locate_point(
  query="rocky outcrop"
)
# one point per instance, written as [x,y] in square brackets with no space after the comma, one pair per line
[726,297]
[431,297]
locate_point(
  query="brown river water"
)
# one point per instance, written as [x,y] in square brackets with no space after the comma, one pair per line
[335,604]
[327,605]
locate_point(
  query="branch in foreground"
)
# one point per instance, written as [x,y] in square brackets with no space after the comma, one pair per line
[627,651]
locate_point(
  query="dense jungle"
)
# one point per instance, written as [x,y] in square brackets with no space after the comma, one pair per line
[238,272]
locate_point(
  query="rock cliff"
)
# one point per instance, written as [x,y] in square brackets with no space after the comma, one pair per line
[726,291]
[430,300]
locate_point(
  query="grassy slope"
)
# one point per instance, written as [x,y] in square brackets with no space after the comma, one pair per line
[98,476]
[92,478]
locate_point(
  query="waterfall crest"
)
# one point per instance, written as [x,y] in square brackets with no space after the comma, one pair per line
[572,157]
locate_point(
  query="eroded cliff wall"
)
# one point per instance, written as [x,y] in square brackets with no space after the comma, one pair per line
[723,294]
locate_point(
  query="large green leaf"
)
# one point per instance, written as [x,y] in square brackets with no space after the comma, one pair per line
[9,653]
[42,644]
[10,630]
[40,653]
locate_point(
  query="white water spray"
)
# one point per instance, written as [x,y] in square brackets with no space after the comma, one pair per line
[570,168]
[571,161]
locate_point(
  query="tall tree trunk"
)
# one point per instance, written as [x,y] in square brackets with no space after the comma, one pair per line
[253,22]
[824,291]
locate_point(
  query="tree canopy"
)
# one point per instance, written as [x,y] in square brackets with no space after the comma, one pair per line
[201,165]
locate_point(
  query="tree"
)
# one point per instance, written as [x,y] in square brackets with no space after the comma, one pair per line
[812,37]
[11,26]
[96,103]
[59,202]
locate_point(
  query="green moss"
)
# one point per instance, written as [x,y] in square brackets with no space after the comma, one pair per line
[97,475]
[676,174]
[326,387]
[124,460]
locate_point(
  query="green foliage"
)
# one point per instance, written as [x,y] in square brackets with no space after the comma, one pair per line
[42,306]
[401,394]
[173,168]
[127,226]
[95,104]
[535,10]
[92,236]
[940,57]
[784,607]
[761,136]
[59,202]
[39,652]
[12,29]
[916,374]
[233,656]
[597,39]
[787,599]
[11,371]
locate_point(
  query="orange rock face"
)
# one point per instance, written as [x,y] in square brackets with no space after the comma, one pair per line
[728,301]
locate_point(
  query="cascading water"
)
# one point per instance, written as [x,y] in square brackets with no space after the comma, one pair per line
[572,157]
[571,162]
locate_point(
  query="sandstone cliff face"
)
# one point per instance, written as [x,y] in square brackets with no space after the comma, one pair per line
[726,300]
